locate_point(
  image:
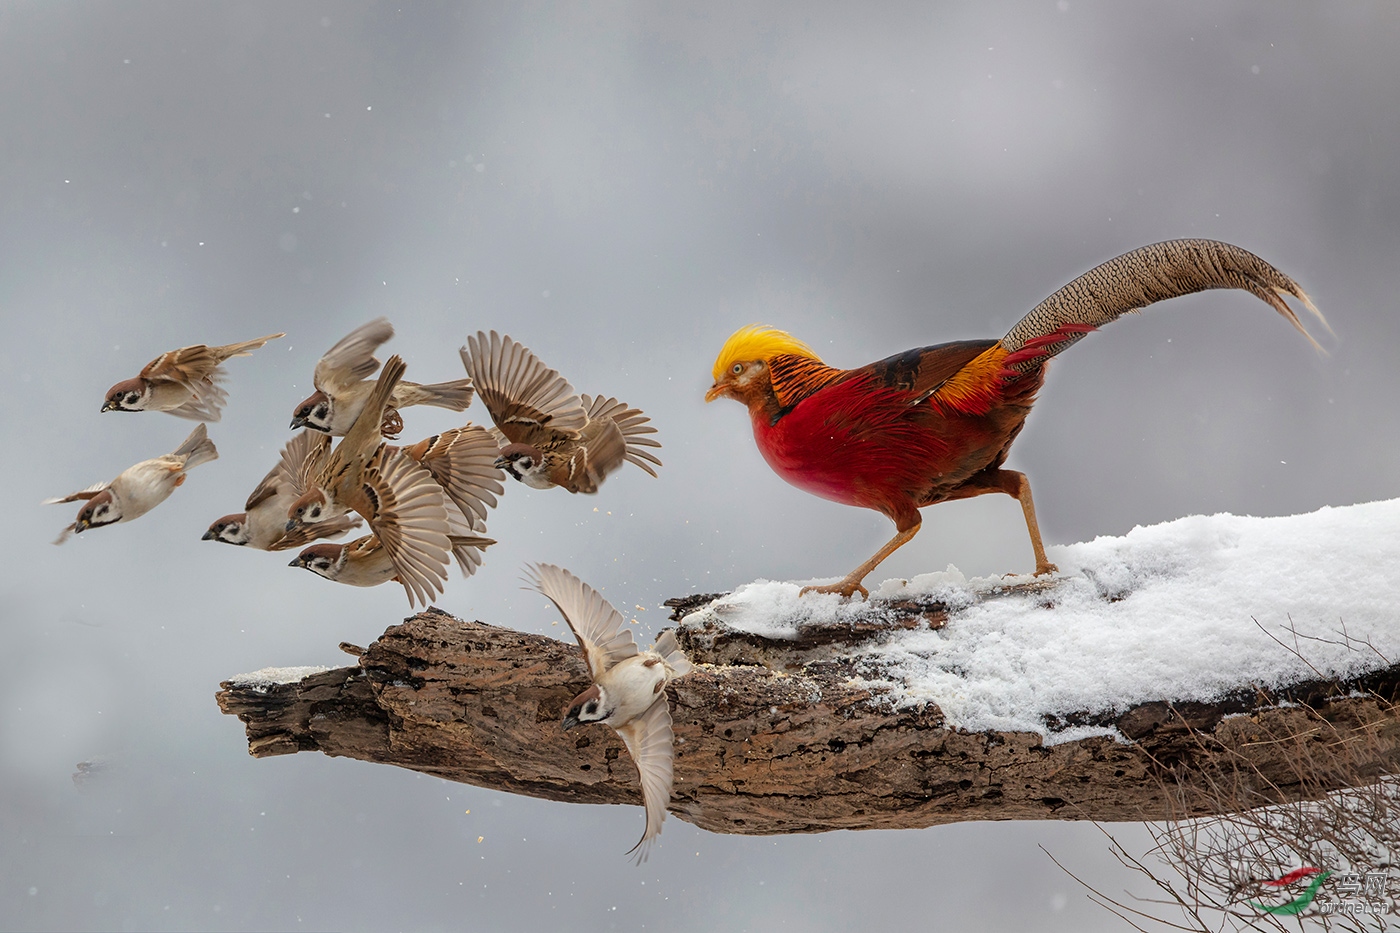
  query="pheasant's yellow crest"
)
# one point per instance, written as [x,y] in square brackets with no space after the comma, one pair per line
[759,342]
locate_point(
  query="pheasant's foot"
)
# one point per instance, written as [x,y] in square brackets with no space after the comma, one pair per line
[846,588]
[1045,568]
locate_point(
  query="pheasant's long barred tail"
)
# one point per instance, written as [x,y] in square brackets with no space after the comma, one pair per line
[1144,276]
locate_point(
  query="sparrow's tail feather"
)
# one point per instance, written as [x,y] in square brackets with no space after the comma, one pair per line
[1136,279]
[197,448]
[467,549]
[242,349]
[669,649]
[454,396]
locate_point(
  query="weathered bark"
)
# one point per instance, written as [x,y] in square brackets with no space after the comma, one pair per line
[776,737]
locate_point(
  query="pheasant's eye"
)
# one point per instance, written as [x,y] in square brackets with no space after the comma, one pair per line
[738,368]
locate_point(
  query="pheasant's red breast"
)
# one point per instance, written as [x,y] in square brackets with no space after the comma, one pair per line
[897,434]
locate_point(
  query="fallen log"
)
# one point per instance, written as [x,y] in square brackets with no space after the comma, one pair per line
[784,735]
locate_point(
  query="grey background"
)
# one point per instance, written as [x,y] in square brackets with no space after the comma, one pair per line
[620,186]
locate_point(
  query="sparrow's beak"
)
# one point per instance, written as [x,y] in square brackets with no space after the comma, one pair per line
[570,722]
[500,463]
[715,392]
[108,406]
[291,525]
[296,562]
[208,535]
[81,525]
[297,422]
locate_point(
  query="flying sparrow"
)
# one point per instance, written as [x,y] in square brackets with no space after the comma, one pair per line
[184,382]
[399,499]
[364,562]
[139,488]
[551,436]
[342,386]
[263,523]
[629,687]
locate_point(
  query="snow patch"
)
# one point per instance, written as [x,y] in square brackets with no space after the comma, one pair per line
[270,677]
[1191,609]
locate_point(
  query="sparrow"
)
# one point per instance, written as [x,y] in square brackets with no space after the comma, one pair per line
[364,562]
[550,436]
[629,687]
[184,382]
[399,498]
[139,488]
[342,386]
[263,522]
[460,462]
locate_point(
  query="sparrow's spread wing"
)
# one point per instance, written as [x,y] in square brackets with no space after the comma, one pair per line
[207,401]
[633,425]
[405,508]
[303,534]
[188,366]
[294,469]
[462,461]
[529,402]
[652,746]
[595,623]
[87,493]
[600,450]
[352,359]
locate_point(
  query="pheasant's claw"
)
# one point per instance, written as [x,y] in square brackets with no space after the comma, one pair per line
[846,588]
[1046,568]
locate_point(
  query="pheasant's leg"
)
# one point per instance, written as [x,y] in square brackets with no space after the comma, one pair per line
[1022,491]
[907,529]
[1018,487]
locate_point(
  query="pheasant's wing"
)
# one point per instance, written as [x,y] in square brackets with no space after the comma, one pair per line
[595,623]
[632,423]
[405,509]
[462,460]
[352,360]
[529,402]
[651,744]
[87,493]
[294,468]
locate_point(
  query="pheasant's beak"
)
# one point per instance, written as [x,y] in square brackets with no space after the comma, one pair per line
[715,392]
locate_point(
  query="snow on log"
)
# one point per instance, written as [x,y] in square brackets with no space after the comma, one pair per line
[1214,644]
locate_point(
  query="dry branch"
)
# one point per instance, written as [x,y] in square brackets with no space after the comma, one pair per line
[780,737]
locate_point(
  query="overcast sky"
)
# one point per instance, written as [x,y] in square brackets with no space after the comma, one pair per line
[619,186]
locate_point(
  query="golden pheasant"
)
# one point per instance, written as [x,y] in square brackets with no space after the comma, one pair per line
[935,423]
